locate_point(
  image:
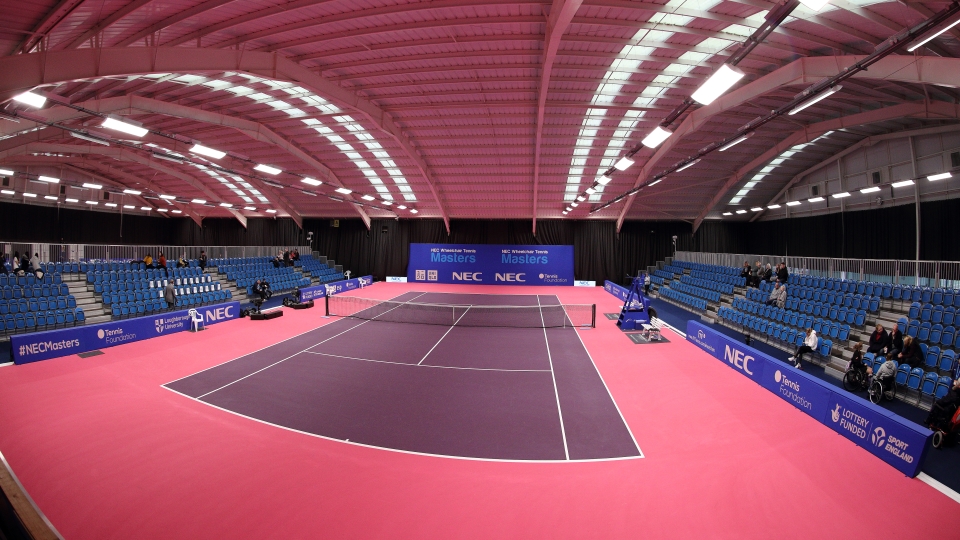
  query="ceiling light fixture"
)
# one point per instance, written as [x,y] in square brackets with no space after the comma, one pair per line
[209,152]
[92,186]
[110,205]
[343,190]
[161,210]
[590,191]
[655,182]
[388,203]
[368,197]
[168,197]
[623,163]
[793,203]
[841,195]
[902,183]
[199,201]
[167,158]
[756,209]
[603,180]
[271,211]
[718,83]
[815,199]
[401,207]
[126,206]
[6,172]
[305,192]
[50,197]
[92,203]
[873,189]
[130,128]
[88,138]
[31,99]
[31,195]
[48,179]
[773,206]
[728,213]
[7,192]
[932,37]
[688,165]
[815,5]
[146,208]
[273,184]
[414,211]
[941,176]
[656,137]
[71,200]
[176,211]
[311,181]
[250,208]
[735,142]
[581,198]
[226,205]
[267,169]
[817,99]
[741,211]
[131,192]
[574,205]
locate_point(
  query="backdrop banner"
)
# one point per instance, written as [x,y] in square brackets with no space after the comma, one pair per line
[897,441]
[336,287]
[491,264]
[55,343]
[616,290]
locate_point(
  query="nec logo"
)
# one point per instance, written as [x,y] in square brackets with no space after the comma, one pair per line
[219,314]
[511,277]
[468,276]
[738,359]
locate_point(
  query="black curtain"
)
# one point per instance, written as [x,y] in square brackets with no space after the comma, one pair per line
[50,224]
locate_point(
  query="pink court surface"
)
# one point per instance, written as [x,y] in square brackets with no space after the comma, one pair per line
[107,452]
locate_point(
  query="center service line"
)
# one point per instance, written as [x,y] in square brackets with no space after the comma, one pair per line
[556,393]
[443,336]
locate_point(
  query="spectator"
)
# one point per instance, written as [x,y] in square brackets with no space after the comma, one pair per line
[894,341]
[148,260]
[757,273]
[162,262]
[745,272]
[809,345]
[170,294]
[296,255]
[782,273]
[944,408]
[912,353]
[278,260]
[261,288]
[286,258]
[15,263]
[182,261]
[886,373]
[857,361]
[202,260]
[878,340]
[767,273]
[778,296]
[646,284]
[35,263]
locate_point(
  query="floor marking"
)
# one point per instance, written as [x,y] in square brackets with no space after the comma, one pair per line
[935,484]
[410,452]
[624,420]
[443,336]
[556,393]
[305,350]
[426,365]
[264,348]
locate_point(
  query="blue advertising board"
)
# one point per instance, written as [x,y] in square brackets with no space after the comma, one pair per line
[897,441]
[55,343]
[616,290]
[490,264]
[336,287]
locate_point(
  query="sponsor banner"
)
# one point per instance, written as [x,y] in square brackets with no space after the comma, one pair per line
[490,264]
[616,290]
[584,283]
[897,441]
[55,343]
[336,287]
[396,279]
[738,356]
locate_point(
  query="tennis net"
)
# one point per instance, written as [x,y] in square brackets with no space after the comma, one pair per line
[554,316]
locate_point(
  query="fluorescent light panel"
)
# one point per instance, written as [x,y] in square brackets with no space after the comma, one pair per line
[31,99]
[31,195]
[92,186]
[126,206]
[267,169]
[728,213]
[655,182]
[131,192]
[873,189]
[49,179]
[311,181]
[735,142]
[49,197]
[688,165]
[623,163]
[932,36]
[413,211]
[89,138]
[756,209]
[161,210]
[145,208]
[656,137]
[226,205]
[168,197]
[110,205]
[125,127]
[92,203]
[71,200]
[815,199]
[209,152]
[271,211]
[718,83]
[368,198]
[343,191]
[6,172]
[816,99]
[902,183]
[793,203]
[773,206]
[7,192]
[199,201]
[941,176]
[843,195]
[741,211]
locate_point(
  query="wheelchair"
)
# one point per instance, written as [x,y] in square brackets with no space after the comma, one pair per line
[946,427]
[855,380]
[883,389]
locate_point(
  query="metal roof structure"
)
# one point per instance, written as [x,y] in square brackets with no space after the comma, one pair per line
[453,108]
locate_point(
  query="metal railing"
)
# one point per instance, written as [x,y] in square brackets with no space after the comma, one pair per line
[78,252]
[944,274]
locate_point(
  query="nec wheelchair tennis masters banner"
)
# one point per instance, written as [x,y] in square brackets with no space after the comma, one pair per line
[490,264]
[55,343]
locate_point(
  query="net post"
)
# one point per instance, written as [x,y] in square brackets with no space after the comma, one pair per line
[593,317]
[326,302]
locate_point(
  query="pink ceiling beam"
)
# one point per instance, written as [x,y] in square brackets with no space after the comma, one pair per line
[910,69]
[936,110]
[46,24]
[561,13]
[31,70]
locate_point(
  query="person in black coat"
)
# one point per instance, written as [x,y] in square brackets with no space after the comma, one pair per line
[782,273]
[202,260]
[894,341]
[879,340]
[745,271]
[944,408]
[911,354]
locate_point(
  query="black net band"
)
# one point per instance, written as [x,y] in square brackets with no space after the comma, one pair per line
[555,316]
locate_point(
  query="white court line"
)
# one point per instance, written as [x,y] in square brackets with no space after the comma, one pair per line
[305,350]
[427,365]
[563,430]
[935,484]
[441,337]
[410,452]
[624,420]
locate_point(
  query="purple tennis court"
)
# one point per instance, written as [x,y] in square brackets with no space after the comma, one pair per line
[499,377]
